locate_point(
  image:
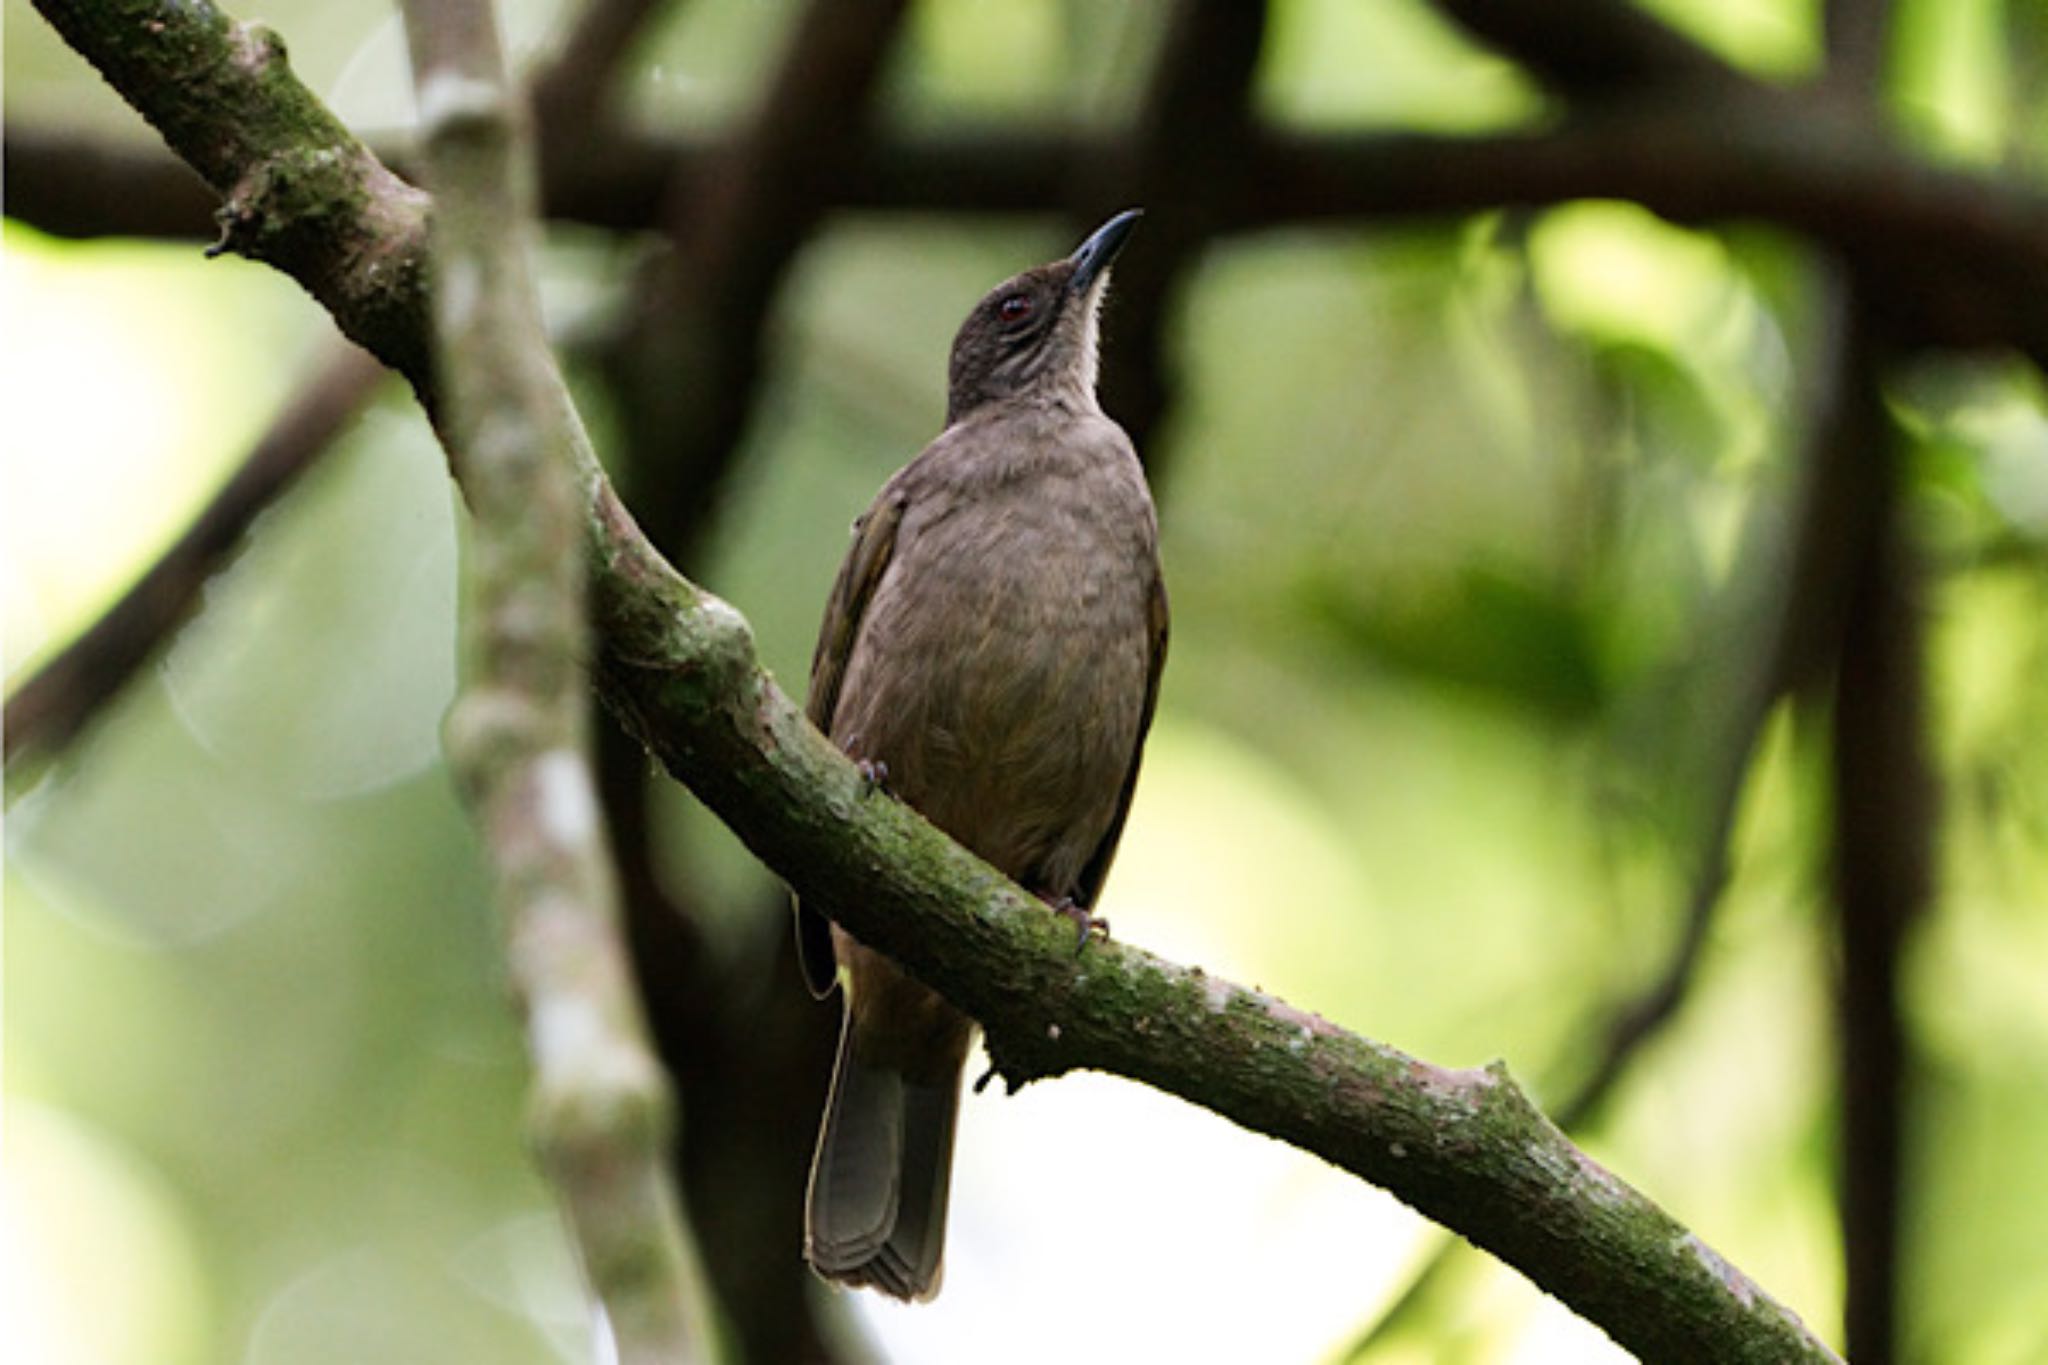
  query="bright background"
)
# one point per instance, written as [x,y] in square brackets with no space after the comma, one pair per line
[1446,511]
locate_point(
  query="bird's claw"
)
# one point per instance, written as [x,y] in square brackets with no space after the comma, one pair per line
[1086,926]
[874,775]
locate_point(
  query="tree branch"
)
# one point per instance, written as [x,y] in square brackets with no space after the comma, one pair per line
[300,191]
[1964,258]
[70,183]
[49,709]
[1883,859]
[1964,254]
[1858,33]
[574,92]
[1463,1147]
[1593,48]
[1180,161]
[702,309]
[518,735]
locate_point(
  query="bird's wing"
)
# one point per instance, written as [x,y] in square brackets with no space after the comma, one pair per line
[1097,870]
[874,541]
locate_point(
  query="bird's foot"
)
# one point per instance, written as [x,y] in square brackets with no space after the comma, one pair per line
[1087,926]
[1011,1085]
[874,775]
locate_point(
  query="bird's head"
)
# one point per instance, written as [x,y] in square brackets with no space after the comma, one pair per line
[1036,332]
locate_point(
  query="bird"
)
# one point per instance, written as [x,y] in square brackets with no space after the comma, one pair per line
[990,654]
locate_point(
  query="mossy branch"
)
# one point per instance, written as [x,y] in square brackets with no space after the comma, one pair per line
[679,667]
[298,190]
[1465,1147]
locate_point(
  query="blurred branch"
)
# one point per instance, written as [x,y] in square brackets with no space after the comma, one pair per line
[1964,255]
[574,94]
[71,183]
[1856,33]
[1593,47]
[518,735]
[751,1058]
[50,709]
[703,307]
[1884,822]
[1464,1147]
[1186,145]
[574,91]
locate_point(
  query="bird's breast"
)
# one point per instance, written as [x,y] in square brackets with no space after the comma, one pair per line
[1001,668]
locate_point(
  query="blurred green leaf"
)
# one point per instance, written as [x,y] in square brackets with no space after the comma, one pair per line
[1493,632]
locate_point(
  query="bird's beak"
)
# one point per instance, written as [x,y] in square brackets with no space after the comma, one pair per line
[1095,254]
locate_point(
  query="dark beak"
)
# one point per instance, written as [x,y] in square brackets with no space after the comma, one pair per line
[1098,251]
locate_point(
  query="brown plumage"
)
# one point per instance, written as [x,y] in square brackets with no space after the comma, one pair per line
[993,643]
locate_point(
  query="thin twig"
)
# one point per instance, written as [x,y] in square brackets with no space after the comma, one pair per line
[56,703]
[518,735]
[1777,638]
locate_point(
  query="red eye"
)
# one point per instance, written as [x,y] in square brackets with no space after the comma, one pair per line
[1014,308]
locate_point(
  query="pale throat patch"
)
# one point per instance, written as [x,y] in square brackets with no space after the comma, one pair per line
[1091,333]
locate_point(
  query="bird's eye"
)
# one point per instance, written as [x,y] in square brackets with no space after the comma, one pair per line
[1014,308]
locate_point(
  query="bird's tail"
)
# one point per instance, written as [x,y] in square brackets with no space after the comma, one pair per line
[876,1214]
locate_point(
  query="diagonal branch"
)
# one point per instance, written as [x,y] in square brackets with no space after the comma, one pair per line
[50,709]
[1778,634]
[1464,1147]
